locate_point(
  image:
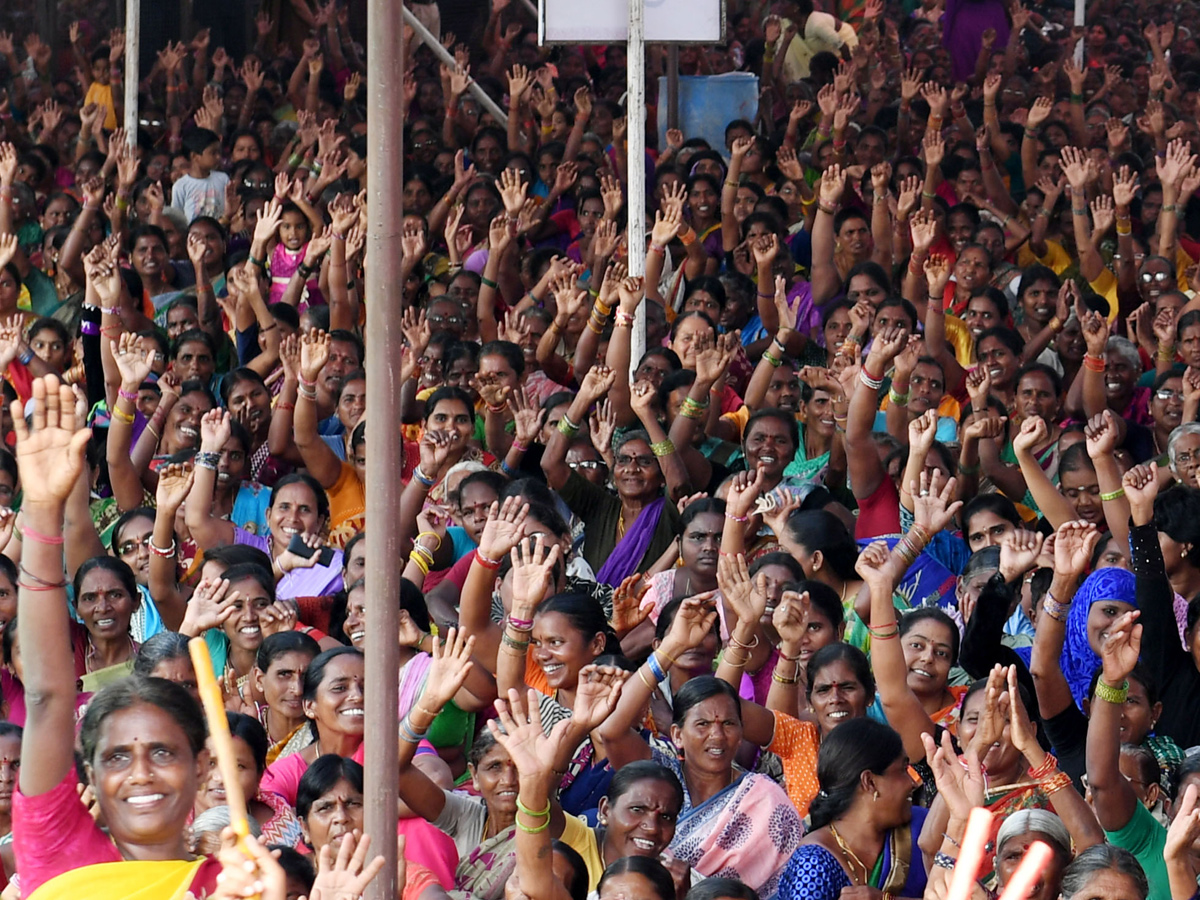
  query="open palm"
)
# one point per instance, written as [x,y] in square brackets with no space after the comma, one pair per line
[50,454]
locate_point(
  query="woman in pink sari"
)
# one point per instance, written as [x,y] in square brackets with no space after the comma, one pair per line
[734,824]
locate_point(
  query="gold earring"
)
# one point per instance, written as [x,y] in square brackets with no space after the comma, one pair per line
[877,795]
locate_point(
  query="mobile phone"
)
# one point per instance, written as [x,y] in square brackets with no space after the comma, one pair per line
[296,545]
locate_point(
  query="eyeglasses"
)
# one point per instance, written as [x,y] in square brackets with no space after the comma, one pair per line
[642,462]
[593,463]
[1187,458]
[1168,394]
[126,548]
[1148,277]
[438,319]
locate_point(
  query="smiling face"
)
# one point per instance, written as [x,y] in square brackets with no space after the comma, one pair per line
[338,706]
[769,444]
[837,695]
[1038,301]
[1101,616]
[640,822]
[702,201]
[1002,363]
[355,626]
[837,327]
[104,605]
[1082,488]
[981,314]
[293,511]
[972,269]
[688,334]
[496,780]
[183,421]
[243,628]
[783,391]
[145,776]
[562,650]
[710,735]
[928,653]
[636,473]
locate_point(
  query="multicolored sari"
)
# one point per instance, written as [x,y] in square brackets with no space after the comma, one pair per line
[483,873]
[748,831]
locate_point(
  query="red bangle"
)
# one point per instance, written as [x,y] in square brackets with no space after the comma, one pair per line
[41,538]
[283,404]
[492,564]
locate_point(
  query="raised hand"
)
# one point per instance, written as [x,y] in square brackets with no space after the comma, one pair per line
[314,353]
[518,729]
[598,382]
[449,669]
[1033,432]
[692,624]
[1019,551]
[133,363]
[504,528]
[596,695]
[1073,546]
[873,568]
[1141,488]
[934,505]
[346,876]
[962,788]
[628,612]
[50,451]
[210,606]
[174,482]
[1120,648]
[532,573]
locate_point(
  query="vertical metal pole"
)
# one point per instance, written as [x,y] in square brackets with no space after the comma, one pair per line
[672,86]
[385,217]
[635,111]
[133,41]
[1080,20]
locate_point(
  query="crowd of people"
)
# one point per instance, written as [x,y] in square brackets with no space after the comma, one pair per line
[897,516]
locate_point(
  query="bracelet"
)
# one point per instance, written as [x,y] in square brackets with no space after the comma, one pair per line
[734,518]
[131,396]
[1113,495]
[434,534]
[1108,693]
[928,195]
[691,409]
[533,813]
[944,861]
[421,476]
[1094,363]
[487,282]
[899,399]
[646,681]
[688,237]
[1054,609]
[520,624]
[1049,764]
[969,470]
[485,562]
[537,830]
[255,262]
[772,359]
[832,210]
[39,538]
[1167,208]
[498,408]
[1055,783]
[45,585]
[284,405]
[869,380]
[25,357]
[164,552]
[207,459]
[658,248]
[520,646]
[656,669]
[1076,211]
[887,631]
[663,448]
[734,642]
[623,319]
[420,562]
[795,679]
[408,734]
[519,447]
[567,428]
[121,416]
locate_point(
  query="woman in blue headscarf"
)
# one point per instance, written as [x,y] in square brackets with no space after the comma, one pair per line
[1102,598]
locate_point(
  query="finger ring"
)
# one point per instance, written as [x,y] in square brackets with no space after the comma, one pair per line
[924,493]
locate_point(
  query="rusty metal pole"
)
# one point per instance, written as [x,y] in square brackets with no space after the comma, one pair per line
[385,216]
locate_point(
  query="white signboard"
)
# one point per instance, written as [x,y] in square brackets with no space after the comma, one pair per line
[607,21]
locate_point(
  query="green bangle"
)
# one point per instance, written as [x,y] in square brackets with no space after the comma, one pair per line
[294,160]
[1113,495]
[968,470]
[487,282]
[1110,694]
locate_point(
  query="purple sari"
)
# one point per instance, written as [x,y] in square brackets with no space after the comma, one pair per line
[631,549]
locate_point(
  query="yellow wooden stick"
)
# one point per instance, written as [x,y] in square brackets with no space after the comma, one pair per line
[218,729]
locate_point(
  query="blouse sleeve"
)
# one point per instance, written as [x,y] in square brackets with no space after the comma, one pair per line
[812,874]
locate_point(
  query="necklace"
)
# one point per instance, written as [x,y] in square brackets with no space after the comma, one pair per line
[850,856]
[93,653]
